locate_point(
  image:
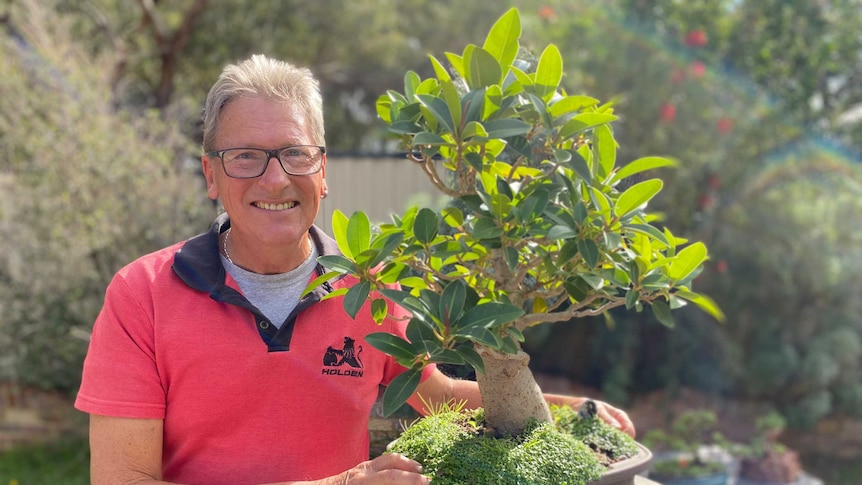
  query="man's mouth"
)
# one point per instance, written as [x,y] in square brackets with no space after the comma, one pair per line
[275,207]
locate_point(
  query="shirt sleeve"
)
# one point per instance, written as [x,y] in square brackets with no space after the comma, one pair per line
[120,376]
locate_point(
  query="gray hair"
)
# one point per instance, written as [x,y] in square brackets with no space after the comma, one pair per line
[261,76]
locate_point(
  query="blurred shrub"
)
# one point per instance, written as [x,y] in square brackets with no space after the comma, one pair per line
[86,188]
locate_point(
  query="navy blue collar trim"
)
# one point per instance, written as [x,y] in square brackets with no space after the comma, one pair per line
[198,264]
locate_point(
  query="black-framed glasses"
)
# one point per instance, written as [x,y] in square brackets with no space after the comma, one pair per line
[248,163]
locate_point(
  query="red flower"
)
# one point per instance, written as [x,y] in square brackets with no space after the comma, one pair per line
[724,125]
[721,266]
[667,112]
[547,13]
[697,68]
[696,38]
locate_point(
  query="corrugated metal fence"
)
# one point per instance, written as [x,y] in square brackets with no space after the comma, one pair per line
[377,186]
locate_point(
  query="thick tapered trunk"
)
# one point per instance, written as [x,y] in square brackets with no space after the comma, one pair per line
[510,394]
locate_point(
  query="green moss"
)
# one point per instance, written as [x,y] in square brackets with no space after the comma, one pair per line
[453,450]
[595,433]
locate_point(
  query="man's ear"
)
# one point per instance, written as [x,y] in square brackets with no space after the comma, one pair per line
[208,168]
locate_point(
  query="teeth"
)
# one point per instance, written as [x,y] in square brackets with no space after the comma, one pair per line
[275,207]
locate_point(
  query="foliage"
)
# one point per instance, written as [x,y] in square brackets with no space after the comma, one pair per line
[541,229]
[64,462]
[688,433]
[776,203]
[453,450]
[86,188]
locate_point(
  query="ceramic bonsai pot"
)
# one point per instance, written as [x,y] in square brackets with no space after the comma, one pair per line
[625,471]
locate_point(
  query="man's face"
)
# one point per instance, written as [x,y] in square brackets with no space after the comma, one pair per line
[276,209]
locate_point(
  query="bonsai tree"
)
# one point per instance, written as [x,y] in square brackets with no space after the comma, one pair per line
[766,460]
[688,434]
[543,225]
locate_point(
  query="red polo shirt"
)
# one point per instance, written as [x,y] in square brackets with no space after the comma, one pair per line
[242,401]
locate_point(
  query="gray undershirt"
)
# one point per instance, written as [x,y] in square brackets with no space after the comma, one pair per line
[275,295]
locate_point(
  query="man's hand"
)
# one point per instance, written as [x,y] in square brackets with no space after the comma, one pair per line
[387,469]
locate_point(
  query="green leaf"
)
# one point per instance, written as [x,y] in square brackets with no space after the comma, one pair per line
[457,63]
[583,122]
[421,336]
[571,104]
[438,109]
[470,356]
[549,73]
[533,205]
[502,39]
[425,225]
[561,232]
[411,82]
[453,102]
[632,297]
[358,233]
[452,216]
[319,281]
[473,129]
[511,255]
[379,309]
[490,314]
[355,298]
[386,245]
[581,167]
[486,228]
[506,128]
[650,231]
[662,313]
[641,165]
[687,261]
[440,71]
[480,335]
[606,148]
[427,138]
[705,303]
[334,293]
[589,251]
[452,301]
[339,231]
[483,70]
[384,108]
[446,356]
[400,389]
[338,264]
[391,345]
[636,196]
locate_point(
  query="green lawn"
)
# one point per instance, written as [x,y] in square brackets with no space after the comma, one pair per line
[64,462]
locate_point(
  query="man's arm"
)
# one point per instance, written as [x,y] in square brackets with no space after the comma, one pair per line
[126,451]
[439,388]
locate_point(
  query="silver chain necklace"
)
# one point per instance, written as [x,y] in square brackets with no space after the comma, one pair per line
[224,246]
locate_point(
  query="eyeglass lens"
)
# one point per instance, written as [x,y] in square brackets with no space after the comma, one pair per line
[251,162]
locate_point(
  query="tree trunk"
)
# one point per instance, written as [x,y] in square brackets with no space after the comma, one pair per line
[510,394]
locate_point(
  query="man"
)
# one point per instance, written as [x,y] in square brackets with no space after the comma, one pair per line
[205,366]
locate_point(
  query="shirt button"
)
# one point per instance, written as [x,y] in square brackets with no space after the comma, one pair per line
[263,324]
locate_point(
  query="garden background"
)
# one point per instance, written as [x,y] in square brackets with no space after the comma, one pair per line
[759,100]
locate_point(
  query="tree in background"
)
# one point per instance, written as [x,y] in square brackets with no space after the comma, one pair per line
[751,96]
[86,188]
[758,181]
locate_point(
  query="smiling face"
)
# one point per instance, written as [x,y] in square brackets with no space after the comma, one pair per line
[270,215]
